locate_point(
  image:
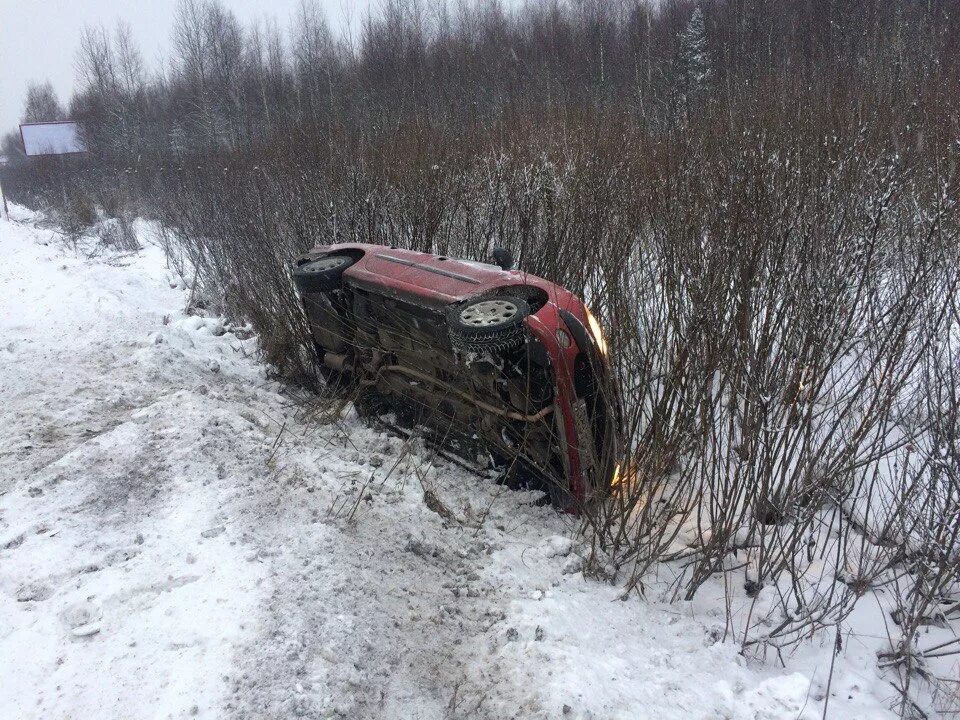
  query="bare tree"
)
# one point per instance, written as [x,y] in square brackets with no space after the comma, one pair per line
[41,104]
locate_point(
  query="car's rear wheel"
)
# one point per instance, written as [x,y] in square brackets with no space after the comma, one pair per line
[323,274]
[488,325]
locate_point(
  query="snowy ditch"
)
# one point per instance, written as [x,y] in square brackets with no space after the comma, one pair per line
[170,546]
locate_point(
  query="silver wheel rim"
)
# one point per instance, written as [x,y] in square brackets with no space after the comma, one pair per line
[488,313]
[324,264]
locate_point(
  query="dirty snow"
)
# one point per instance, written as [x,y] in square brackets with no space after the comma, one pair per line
[178,540]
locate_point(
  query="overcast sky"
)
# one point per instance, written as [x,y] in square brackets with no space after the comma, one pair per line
[39,38]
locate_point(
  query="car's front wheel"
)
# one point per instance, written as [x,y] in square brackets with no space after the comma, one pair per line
[490,325]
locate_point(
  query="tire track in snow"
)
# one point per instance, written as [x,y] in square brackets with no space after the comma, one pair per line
[371,618]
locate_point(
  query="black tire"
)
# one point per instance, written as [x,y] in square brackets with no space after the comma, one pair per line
[492,324]
[322,274]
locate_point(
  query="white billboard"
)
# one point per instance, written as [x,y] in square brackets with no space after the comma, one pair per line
[51,138]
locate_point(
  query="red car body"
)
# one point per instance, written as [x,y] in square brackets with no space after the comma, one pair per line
[561,324]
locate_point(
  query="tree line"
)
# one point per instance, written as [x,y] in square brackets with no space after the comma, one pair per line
[441,64]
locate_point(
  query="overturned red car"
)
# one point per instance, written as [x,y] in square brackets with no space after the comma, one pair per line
[493,363]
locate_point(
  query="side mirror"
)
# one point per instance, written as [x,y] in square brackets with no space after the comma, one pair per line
[503,258]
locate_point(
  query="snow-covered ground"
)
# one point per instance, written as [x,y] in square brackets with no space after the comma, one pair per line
[178,540]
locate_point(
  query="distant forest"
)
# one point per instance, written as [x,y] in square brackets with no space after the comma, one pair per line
[452,65]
